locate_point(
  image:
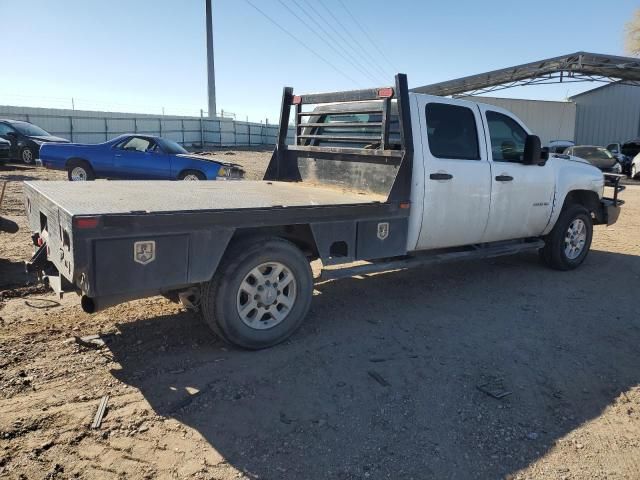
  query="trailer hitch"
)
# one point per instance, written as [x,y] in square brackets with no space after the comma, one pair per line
[38,262]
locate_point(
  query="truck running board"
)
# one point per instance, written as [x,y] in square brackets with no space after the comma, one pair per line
[491,250]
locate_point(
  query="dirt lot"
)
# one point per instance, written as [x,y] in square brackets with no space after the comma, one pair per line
[380,382]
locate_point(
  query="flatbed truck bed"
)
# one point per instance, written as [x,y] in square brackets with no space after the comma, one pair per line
[115,197]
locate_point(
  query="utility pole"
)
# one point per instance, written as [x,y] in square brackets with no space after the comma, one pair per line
[211,74]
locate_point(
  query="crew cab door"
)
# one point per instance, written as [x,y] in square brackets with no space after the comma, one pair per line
[456,172]
[521,195]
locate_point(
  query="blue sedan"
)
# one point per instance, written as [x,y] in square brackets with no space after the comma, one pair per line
[134,157]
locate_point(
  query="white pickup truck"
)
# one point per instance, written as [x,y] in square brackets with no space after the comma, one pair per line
[375,180]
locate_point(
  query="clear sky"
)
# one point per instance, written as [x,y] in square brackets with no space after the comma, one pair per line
[143,55]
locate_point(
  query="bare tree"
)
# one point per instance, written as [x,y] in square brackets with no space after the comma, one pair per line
[633,35]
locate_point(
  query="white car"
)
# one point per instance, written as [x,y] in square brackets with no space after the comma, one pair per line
[635,167]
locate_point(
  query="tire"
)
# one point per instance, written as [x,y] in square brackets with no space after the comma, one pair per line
[562,253]
[80,171]
[226,295]
[191,175]
[28,156]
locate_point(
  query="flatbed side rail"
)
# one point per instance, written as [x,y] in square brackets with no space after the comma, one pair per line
[285,161]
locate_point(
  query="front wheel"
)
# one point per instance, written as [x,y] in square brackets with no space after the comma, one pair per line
[568,244]
[27,155]
[260,294]
[191,176]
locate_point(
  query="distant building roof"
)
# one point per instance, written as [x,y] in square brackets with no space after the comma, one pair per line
[601,87]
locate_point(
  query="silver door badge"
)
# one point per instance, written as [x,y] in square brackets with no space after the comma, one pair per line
[144,252]
[383,230]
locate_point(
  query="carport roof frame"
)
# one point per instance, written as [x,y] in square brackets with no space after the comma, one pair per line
[574,67]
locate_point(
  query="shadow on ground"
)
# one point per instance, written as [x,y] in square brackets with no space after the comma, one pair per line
[12,274]
[563,343]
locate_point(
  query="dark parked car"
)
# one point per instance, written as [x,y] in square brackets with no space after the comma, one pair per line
[26,139]
[135,157]
[625,152]
[597,156]
[5,150]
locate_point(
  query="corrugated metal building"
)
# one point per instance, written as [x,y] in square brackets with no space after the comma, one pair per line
[549,120]
[607,114]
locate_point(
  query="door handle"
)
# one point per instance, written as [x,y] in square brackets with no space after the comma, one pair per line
[440,176]
[504,178]
[118,155]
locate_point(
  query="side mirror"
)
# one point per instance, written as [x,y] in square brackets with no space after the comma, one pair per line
[11,134]
[532,154]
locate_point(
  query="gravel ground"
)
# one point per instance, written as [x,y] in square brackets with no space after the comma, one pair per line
[382,380]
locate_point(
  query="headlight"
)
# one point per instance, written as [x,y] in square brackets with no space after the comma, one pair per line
[230,172]
[617,168]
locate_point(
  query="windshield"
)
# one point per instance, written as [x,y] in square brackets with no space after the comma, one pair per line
[171,147]
[29,130]
[592,153]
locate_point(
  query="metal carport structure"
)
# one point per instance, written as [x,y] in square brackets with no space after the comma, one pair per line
[574,67]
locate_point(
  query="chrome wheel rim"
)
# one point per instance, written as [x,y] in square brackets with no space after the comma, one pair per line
[191,177]
[78,174]
[575,239]
[266,295]
[27,156]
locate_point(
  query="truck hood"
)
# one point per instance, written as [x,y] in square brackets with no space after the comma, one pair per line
[570,158]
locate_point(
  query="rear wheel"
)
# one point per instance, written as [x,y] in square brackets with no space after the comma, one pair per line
[191,175]
[260,294]
[80,171]
[568,244]
[27,155]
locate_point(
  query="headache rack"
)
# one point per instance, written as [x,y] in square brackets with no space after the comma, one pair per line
[380,167]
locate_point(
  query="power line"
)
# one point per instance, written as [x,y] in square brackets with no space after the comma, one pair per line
[336,32]
[381,52]
[351,60]
[302,43]
[371,60]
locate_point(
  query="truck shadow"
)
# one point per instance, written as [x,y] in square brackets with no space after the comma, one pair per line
[382,379]
[12,274]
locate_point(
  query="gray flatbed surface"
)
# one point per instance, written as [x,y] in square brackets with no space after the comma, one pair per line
[112,197]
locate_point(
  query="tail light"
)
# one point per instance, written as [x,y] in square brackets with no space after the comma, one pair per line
[86,222]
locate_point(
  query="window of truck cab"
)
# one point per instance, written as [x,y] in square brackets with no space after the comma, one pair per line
[452,132]
[507,137]
[136,144]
